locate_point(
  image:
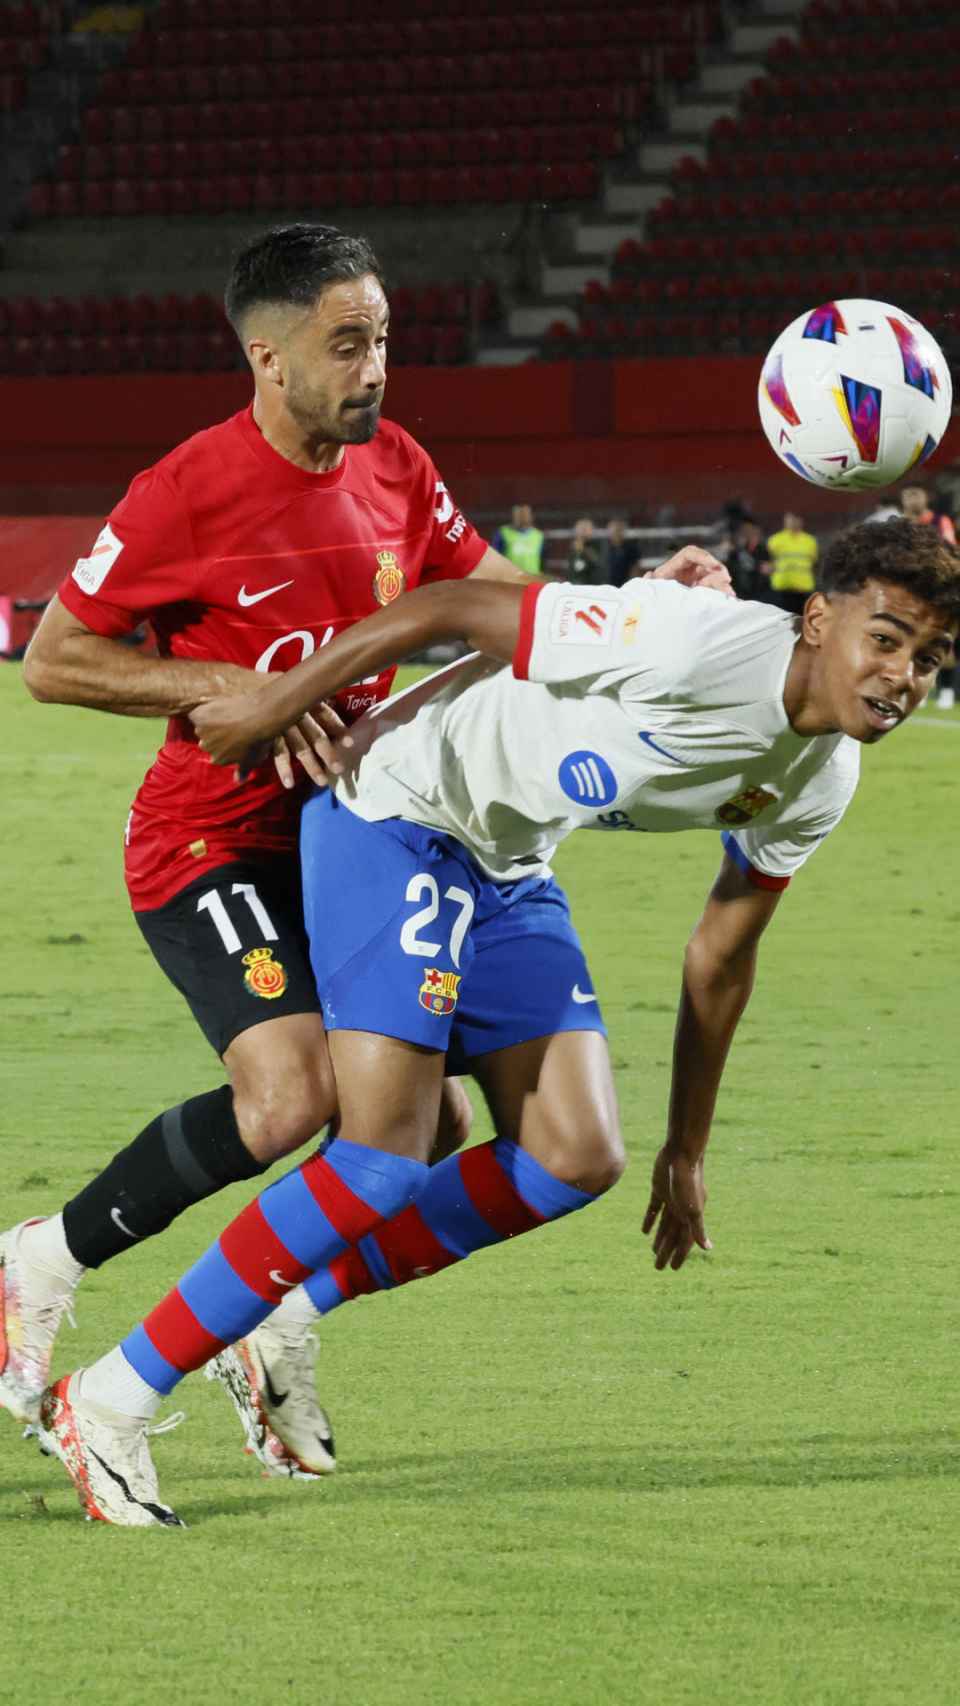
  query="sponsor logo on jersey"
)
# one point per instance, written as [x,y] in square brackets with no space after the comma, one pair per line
[582,622]
[91,572]
[264,975]
[439,990]
[616,820]
[587,779]
[389,581]
[744,807]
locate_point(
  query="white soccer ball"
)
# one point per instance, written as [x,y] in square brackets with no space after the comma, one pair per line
[855,393]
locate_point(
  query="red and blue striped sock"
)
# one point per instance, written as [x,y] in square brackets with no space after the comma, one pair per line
[301,1223]
[485,1195]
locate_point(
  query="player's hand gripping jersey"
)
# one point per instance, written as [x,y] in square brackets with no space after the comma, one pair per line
[236,555]
[663,710]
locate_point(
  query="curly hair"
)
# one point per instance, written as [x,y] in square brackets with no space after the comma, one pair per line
[906,553]
[294,264]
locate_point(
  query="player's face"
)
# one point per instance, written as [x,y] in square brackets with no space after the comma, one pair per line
[877,653]
[336,359]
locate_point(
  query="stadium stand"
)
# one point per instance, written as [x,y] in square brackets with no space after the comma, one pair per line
[773,216]
[203,113]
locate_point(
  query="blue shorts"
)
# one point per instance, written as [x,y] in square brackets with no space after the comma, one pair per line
[410,939]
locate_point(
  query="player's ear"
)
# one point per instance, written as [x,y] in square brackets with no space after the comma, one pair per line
[817,615]
[263,358]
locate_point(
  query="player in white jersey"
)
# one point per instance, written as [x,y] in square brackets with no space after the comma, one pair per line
[648,708]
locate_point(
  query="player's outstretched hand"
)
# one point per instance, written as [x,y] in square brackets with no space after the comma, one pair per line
[312,743]
[693,566]
[675,1210]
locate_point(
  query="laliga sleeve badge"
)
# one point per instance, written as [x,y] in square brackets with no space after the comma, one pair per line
[264,975]
[744,807]
[389,581]
[439,990]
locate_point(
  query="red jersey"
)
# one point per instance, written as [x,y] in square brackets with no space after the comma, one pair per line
[235,555]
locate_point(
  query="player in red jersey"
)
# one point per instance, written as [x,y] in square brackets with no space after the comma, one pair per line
[247,547]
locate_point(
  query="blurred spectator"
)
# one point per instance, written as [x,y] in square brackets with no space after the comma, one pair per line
[622,556]
[793,556]
[916,505]
[884,511]
[521,541]
[586,562]
[746,558]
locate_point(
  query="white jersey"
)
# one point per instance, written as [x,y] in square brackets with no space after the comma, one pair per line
[650,707]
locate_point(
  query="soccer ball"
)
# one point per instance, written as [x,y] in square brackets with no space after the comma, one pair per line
[854,393]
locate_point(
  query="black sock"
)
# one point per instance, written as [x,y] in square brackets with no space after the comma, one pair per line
[180,1158]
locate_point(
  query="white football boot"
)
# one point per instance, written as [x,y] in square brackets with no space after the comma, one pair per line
[33,1302]
[106,1456]
[270,1377]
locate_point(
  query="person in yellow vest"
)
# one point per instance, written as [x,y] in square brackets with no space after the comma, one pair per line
[521,542]
[793,557]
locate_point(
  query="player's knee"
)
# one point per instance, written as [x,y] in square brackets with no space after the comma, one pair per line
[278,1115]
[591,1158]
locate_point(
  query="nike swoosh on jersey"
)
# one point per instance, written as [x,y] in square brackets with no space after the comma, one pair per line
[580,997]
[245,598]
[649,741]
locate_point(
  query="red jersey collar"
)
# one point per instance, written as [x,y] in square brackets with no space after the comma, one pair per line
[279,467]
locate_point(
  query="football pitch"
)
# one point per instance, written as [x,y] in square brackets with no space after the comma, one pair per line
[564,1478]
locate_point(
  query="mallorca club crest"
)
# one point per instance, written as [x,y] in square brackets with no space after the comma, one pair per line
[389,581]
[743,807]
[264,975]
[439,990]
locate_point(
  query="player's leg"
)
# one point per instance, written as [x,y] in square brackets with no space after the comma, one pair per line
[235,947]
[553,1104]
[530,1028]
[376,1166]
[95,1419]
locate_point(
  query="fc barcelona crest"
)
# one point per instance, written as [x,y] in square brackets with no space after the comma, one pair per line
[264,975]
[743,808]
[389,581]
[439,990]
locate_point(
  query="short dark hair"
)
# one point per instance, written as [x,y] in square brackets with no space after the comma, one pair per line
[906,553]
[295,264]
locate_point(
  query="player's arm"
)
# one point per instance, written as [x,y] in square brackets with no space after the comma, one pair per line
[484,610]
[68,664]
[486,614]
[718,973]
[493,566]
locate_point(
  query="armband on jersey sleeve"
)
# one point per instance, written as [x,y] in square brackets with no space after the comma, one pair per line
[760,879]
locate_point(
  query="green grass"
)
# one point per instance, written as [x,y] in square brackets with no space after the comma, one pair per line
[564,1478]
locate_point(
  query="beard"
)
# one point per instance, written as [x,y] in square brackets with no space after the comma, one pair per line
[358,426]
[325,422]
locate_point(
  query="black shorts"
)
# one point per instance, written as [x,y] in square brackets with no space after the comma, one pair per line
[235,946]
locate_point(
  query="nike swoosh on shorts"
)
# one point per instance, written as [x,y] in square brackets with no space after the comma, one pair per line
[580,998]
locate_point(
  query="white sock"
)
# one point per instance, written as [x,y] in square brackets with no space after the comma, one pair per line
[297,1310]
[45,1247]
[114,1384]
